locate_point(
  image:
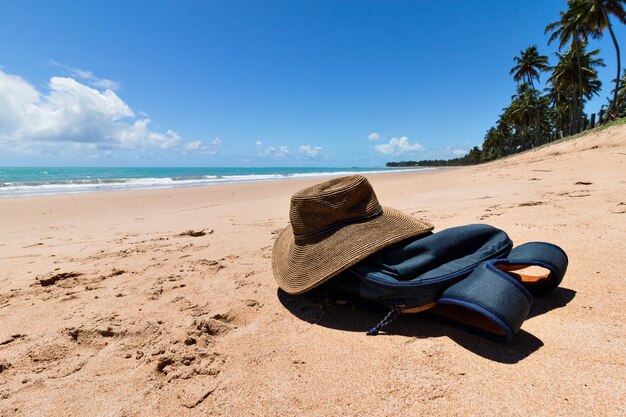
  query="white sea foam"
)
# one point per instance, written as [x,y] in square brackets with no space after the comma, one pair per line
[17,189]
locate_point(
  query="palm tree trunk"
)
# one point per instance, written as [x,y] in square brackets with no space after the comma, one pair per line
[579,105]
[532,86]
[614,104]
[573,110]
[537,125]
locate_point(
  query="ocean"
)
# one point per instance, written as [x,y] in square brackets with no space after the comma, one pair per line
[28,181]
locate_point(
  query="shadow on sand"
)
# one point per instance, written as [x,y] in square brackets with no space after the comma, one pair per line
[317,308]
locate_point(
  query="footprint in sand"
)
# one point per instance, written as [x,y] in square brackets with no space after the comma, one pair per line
[70,351]
[214,326]
[491,211]
[196,233]
[266,252]
[575,194]
[45,282]
[531,203]
[4,365]
[46,356]
[213,265]
[33,245]
[12,339]
[175,365]
[618,209]
[92,336]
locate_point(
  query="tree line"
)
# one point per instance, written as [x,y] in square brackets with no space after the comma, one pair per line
[536,117]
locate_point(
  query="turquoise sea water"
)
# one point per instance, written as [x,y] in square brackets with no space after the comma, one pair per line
[27,181]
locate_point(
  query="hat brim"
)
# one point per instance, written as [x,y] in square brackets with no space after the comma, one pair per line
[301,266]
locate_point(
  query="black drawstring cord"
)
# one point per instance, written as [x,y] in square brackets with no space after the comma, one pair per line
[391,316]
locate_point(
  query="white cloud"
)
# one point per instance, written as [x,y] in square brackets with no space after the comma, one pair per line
[89,77]
[373,136]
[203,148]
[16,99]
[445,153]
[108,84]
[458,152]
[310,152]
[138,135]
[398,146]
[71,112]
[271,151]
[193,146]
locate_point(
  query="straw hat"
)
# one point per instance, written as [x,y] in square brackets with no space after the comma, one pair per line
[334,225]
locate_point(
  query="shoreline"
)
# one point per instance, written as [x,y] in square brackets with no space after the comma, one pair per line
[81,186]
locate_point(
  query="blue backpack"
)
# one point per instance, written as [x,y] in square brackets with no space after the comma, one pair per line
[471,275]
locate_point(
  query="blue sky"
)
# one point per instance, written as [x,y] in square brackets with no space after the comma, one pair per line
[260,83]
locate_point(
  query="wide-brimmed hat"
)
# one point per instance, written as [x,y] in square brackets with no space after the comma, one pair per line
[334,225]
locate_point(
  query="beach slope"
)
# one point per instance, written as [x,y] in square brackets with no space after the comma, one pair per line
[162,302]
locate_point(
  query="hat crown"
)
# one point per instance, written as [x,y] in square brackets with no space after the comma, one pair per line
[333,203]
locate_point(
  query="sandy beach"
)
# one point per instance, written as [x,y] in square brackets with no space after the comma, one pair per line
[107,307]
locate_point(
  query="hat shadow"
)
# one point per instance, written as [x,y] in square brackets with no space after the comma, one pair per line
[317,308]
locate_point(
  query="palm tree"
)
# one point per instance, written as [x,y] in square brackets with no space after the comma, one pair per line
[572,25]
[573,28]
[565,71]
[527,113]
[562,106]
[473,156]
[621,94]
[576,72]
[498,141]
[596,16]
[529,65]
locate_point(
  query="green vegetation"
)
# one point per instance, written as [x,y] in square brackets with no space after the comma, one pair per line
[534,117]
[472,157]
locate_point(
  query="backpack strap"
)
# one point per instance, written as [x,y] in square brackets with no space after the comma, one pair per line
[494,300]
[489,301]
[544,255]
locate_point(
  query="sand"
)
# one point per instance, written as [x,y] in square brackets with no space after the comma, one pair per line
[107,308]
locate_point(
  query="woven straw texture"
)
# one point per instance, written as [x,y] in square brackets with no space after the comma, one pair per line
[336,224]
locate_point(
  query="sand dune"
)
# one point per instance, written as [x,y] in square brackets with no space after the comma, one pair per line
[108,306]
